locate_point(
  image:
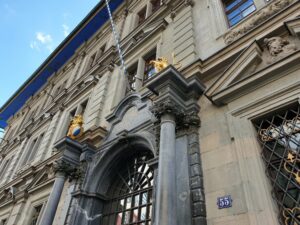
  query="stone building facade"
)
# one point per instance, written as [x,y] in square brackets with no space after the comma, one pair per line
[213,138]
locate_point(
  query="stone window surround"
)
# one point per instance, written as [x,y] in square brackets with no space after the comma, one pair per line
[4,165]
[140,62]
[149,12]
[219,17]
[4,221]
[243,116]
[32,206]
[33,145]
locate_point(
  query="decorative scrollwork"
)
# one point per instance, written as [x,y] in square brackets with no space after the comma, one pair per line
[287,214]
[292,158]
[288,128]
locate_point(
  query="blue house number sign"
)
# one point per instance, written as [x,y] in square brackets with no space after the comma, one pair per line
[224,202]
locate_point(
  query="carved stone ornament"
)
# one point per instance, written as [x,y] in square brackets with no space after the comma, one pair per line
[67,169]
[189,122]
[261,16]
[164,107]
[279,48]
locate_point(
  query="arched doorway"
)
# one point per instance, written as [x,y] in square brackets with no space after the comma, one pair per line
[130,191]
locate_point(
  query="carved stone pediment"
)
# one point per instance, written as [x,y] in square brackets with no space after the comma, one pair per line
[41,177]
[294,26]
[253,67]
[131,112]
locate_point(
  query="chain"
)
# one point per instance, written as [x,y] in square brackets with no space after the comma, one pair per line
[116,37]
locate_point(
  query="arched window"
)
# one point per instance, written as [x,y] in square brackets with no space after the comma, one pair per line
[130,193]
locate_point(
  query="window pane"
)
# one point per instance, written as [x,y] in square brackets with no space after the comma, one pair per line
[143,213]
[248,11]
[238,9]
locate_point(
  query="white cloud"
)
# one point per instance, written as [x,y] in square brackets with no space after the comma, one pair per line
[66,29]
[43,38]
[41,41]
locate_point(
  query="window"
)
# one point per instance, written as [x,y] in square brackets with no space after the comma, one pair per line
[36,214]
[132,74]
[142,16]
[60,88]
[4,222]
[149,70]
[32,151]
[130,193]
[5,169]
[101,50]
[236,10]
[91,61]
[155,5]
[279,135]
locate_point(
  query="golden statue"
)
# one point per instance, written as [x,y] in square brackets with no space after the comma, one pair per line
[76,128]
[159,64]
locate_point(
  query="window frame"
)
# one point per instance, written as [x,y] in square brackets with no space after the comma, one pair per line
[274,138]
[239,4]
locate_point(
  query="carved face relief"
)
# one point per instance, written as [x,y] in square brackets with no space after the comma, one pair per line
[275,45]
[279,48]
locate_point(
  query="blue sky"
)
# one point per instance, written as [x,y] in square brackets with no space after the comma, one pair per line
[30,31]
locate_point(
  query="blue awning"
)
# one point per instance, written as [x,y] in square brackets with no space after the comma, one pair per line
[88,27]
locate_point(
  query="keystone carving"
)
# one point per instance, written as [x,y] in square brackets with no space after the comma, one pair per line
[261,16]
[279,48]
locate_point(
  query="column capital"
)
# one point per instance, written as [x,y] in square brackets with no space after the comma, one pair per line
[168,106]
[66,169]
[176,95]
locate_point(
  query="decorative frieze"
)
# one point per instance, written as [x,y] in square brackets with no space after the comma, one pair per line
[257,19]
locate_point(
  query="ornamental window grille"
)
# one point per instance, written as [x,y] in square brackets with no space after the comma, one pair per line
[279,135]
[236,10]
[130,193]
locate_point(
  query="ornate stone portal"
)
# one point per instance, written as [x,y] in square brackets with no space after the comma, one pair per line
[178,193]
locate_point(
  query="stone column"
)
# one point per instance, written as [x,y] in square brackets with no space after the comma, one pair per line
[66,166]
[54,198]
[165,208]
[173,97]
[165,211]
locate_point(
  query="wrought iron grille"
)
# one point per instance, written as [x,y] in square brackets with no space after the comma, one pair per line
[131,194]
[279,136]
